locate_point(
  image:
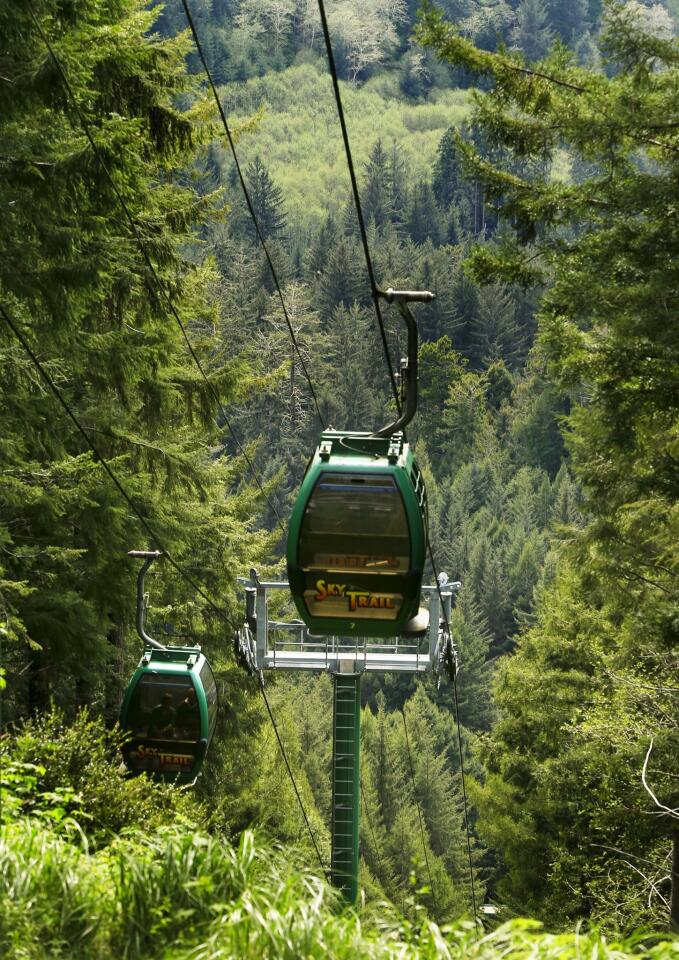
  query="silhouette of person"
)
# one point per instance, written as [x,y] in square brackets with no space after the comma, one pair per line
[188,717]
[163,718]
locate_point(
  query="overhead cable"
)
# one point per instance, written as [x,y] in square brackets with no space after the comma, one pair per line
[372,832]
[251,209]
[292,778]
[154,537]
[104,463]
[374,289]
[459,735]
[100,457]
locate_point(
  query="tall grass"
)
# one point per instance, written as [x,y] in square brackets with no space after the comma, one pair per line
[181,895]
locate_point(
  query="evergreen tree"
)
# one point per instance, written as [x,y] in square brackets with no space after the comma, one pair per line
[494,333]
[531,33]
[568,18]
[423,216]
[534,418]
[318,251]
[446,172]
[377,200]
[267,202]
[341,281]
[564,795]
[354,397]
[74,280]
[473,642]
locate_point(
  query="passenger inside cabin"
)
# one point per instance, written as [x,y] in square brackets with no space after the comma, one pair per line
[188,716]
[163,718]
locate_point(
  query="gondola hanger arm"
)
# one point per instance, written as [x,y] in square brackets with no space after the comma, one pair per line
[408,366]
[149,556]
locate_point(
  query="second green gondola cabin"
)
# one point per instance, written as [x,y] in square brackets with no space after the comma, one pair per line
[357,537]
[170,713]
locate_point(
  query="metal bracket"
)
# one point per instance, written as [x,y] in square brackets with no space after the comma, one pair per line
[408,370]
[325,449]
[142,597]
[287,645]
[395,447]
[244,648]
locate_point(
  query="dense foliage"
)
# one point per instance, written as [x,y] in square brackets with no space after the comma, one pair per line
[94,307]
[550,461]
[164,887]
[566,771]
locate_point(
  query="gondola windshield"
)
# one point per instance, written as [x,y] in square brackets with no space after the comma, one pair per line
[355,522]
[165,708]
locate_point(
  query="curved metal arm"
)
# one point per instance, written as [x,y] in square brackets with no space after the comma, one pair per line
[150,556]
[402,298]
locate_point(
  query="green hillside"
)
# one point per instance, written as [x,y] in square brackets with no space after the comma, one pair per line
[175,326]
[298,133]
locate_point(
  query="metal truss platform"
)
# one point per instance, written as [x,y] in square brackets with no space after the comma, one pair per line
[288,645]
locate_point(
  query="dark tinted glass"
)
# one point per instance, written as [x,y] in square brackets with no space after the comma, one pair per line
[165,707]
[355,522]
[210,688]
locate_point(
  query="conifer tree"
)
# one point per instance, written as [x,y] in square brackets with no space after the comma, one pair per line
[423,216]
[566,759]
[494,333]
[75,281]
[531,33]
[341,281]
[377,199]
[267,202]
[446,173]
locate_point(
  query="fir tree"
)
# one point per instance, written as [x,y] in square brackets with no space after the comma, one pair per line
[423,216]
[83,293]
[446,172]
[531,33]
[565,763]
[377,200]
[267,202]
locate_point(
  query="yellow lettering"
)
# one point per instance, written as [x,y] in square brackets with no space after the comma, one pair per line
[322,592]
[355,597]
[361,599]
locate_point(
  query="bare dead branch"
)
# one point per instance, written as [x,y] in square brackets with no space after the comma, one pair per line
[661,806]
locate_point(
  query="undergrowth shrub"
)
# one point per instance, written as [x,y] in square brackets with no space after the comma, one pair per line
[56,770]
[95,866]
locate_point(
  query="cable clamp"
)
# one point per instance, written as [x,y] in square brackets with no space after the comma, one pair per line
[245,650]
[325,449]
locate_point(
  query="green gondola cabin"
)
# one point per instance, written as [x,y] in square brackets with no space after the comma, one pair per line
[170,713]
[357,537]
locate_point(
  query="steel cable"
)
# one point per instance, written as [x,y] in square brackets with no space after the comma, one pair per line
[251,209]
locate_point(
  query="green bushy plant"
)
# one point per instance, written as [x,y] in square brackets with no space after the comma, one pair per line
[185,896]
[58,771]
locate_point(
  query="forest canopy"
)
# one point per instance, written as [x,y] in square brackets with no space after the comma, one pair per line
[519,160]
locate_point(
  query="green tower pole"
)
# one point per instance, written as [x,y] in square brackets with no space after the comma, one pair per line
[345,782]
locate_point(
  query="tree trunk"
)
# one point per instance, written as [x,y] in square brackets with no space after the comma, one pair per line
[674,902]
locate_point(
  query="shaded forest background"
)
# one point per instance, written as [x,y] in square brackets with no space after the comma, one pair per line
[547,442]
